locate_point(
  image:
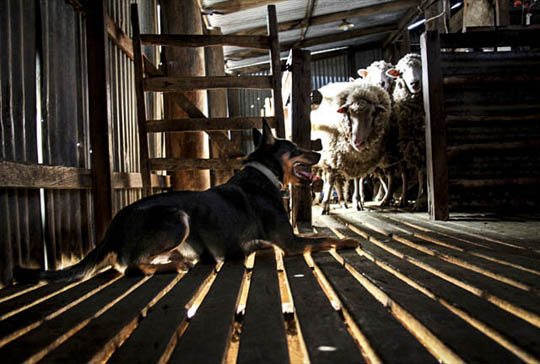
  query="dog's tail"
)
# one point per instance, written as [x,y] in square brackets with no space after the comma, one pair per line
[94,261]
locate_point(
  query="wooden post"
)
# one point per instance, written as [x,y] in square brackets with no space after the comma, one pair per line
[434,16]
[502,8]
[217,101]
[100,116]
[301,128]
[184,17]
[275,66]
[437,167]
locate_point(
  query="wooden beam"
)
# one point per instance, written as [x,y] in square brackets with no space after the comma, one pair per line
[410,16]
[364,11]
[493,148]
[233,6]
[436,163]
[175,84]
[310,42]
[275,68]
[205,40]
[27,175]
[494,182]
[198,124]
[173,164]
[100,115]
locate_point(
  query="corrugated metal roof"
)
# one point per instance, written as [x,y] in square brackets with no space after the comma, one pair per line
[376,17]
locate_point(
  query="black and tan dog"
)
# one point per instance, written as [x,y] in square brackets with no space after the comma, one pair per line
[226,221]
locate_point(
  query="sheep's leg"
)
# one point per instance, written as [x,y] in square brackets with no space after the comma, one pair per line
[358,194]
[420,190]
[386,199]
[339,190]
[327,191]
[383,189]
[347,190]
[403,199]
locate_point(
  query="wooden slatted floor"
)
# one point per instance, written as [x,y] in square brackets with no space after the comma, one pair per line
[414,291]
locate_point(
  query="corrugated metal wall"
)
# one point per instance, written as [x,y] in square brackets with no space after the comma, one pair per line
[44,119]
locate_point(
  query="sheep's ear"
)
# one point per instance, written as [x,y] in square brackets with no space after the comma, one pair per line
[392,72]
[362,72]
[343,108]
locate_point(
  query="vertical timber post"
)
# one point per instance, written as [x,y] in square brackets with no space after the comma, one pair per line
[184,17]
[100,112]
[275,66]
[437,167]
[301,128]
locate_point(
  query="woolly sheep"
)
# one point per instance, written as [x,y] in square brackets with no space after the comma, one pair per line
[376,74]
[408,116]
[352,127]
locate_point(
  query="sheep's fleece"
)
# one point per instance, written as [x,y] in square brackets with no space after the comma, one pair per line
[334,129]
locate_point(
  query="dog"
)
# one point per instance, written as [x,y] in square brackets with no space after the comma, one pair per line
[224,222]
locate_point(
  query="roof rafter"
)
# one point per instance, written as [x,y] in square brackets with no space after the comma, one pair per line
[233,6]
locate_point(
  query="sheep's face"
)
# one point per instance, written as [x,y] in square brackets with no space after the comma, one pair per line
[377,76]
[361,118]
[413,78]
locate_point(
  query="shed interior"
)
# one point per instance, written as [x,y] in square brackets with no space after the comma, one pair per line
[96,114]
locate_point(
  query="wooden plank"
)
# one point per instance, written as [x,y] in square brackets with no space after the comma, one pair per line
[497,38]
[26,175]
[159,330]
[489,80]
[502,13]
[491,148]
[216,123]
[333,344]
[216,312]
[275,68]
[301,127]
[470,345]
[171,164]
[17,325]
[99,106]
[174,84]
[436,164]
[506,329]
[263,331]
[206,40]
[35,344]
[233,6]
[389,339]
[506,297]
[493,182]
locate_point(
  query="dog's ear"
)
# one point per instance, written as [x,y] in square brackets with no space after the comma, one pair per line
[267,136]
[257,136]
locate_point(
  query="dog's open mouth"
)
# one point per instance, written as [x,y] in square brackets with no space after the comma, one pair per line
[303,172]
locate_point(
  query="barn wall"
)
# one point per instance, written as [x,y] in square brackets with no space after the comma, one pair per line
[45,120]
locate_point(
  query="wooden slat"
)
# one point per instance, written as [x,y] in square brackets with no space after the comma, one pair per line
[170,164]
[464,120]
[504,328]
[37,343]
[504,296]
[216,312]
[18,325]
[193,40]
[174,84]
[490,80]
[454,151]
[263,330]
[158,332]
[449,329]
[494,182]
[233,6]
[498,38]
[389,339]
[26,175]
[198,124]
[314,311]
[127,180]
[436,164]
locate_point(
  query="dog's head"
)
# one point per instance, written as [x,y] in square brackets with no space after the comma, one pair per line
[285,159]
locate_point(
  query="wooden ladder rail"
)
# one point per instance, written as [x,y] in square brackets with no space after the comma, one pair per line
[158,83]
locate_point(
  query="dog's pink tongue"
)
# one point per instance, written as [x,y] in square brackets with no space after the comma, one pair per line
[306,174]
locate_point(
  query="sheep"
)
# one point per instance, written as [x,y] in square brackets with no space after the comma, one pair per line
[375,74]
[408,116]
[352,127]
